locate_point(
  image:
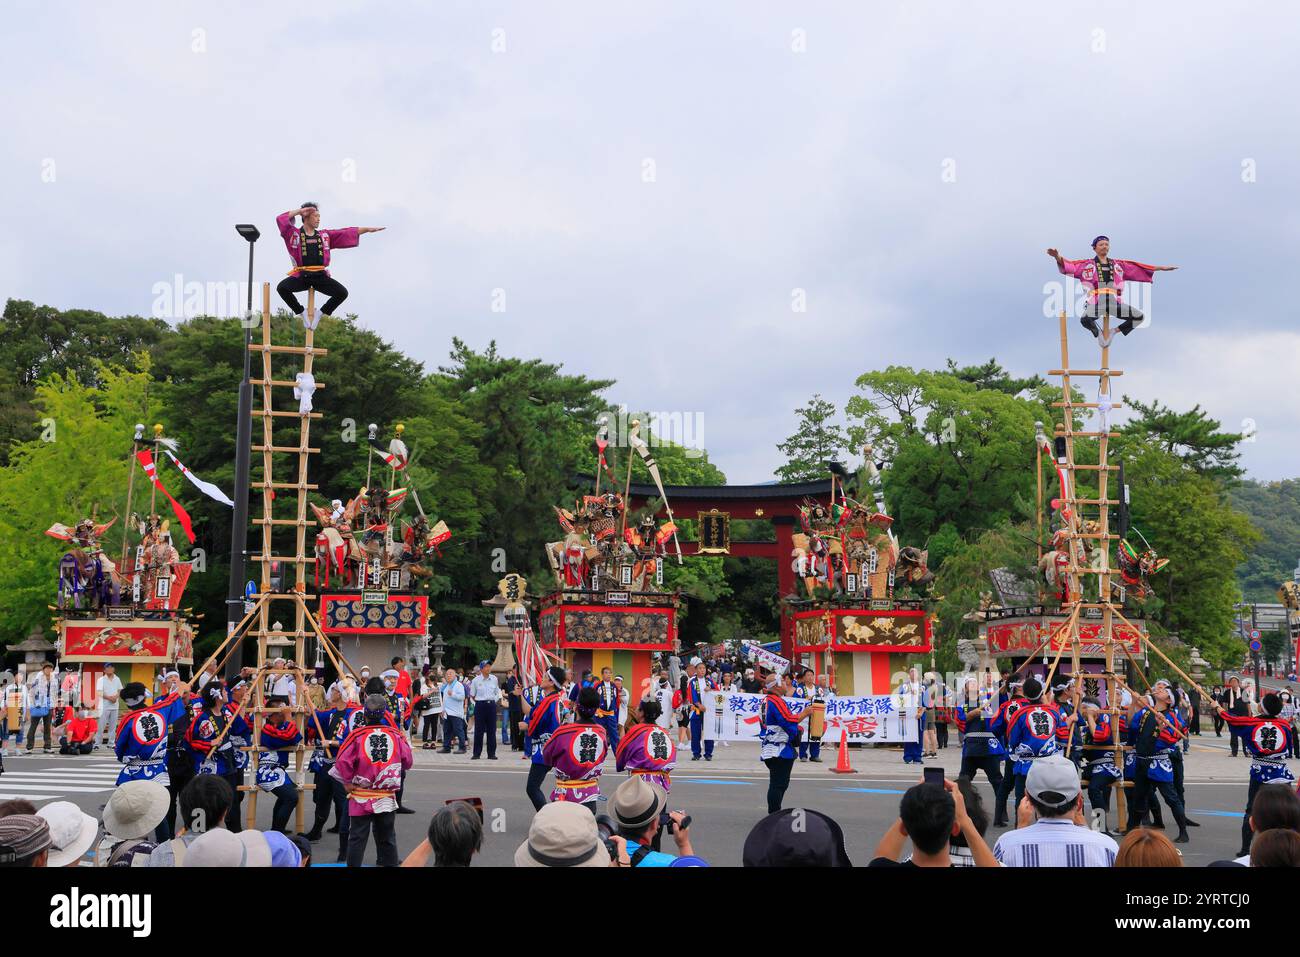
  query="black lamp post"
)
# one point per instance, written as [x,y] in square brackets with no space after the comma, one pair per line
[243,451]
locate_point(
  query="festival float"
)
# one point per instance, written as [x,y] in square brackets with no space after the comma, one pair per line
[609,608]
[863,605]
[367,573]
[128,612]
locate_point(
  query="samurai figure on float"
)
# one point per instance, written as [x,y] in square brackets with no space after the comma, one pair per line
[1103,280]
[85,572]
[309,247]
[647,545]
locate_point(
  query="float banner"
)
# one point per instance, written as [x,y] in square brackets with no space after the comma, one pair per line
[871,719]
[768,659]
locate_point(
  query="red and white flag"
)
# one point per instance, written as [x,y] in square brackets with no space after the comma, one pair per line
[207,488]
[151,470]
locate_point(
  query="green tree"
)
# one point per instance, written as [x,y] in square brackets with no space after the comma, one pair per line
[39,341]
[1187,518]
[991,375]
[956,454]
[1192,436]
[1274,510]
[77,468]
[818,439]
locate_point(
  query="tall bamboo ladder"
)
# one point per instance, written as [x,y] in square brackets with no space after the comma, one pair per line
[259,621]
[1103,537]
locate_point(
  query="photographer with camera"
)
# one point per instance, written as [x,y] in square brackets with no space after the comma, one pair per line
[639,809]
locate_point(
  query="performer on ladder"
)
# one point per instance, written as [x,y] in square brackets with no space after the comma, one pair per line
[1103,279]
[309,248]
[1267,739]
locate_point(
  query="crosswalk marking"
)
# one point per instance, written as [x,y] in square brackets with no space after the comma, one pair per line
[50,783]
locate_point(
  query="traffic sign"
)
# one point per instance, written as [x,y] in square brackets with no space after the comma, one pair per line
[1255,644]
[1254,636]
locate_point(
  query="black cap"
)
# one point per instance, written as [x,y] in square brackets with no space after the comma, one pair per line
[775,841]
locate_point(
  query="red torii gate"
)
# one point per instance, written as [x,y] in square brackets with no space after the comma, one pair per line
[778,504]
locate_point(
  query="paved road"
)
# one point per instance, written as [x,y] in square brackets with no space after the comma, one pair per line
[725,797]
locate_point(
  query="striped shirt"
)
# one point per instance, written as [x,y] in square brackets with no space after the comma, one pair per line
[1055,842]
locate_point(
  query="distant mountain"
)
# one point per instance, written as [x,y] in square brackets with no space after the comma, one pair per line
[1274,508]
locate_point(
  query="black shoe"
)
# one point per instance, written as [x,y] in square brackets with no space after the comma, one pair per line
[1244,852]
[695,757]
[462,751]
[445,751]
[405,810]
[818,760]
[708,757]
[1091,325]
[314,834]
[474,757]
[492,757]
[1126,327]
[1001,822]
[1182,837]
[332,830]
[1188,822]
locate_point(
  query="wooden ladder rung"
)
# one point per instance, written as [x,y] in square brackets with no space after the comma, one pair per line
[284,521]
[305,486]
[283,558]
[286,383]
[285,448]
[1094,468]
[1101,372]
[1095,501]
[1093,535]
[275,413]
[1109,435]
[1085,405]
[292,350]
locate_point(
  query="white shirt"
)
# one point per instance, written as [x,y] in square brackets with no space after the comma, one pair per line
[453,699]
[286,686]
[485,688]
[1055,842]
[108,684]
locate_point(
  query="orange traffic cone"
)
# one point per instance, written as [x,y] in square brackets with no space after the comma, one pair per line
[842,765]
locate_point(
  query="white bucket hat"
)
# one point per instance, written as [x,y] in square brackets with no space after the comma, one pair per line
[72,831]
[135,809]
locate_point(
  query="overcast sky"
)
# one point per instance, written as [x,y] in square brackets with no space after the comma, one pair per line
[645,187]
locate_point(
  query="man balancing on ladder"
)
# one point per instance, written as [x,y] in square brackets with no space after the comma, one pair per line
[309,248]
[1103,278]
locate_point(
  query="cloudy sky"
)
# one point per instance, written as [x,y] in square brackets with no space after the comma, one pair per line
[652,190]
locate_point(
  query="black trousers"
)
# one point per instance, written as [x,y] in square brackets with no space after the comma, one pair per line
[536,775]
[235,816]
[286,799]
[385,828]
[991,765]
[430,734]
[324,798]
[289,285]
[516,736]
[1246,833]
[1218,723]
[1107,305]
[31,732]
[941,735]
[778,780]
[1144,796]
[84,748]
[345,819]
[1004,790]
[485,723]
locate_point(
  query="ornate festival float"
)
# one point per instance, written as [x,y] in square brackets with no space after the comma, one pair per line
[128,612]
[370,561]
[858,605]
[609,607]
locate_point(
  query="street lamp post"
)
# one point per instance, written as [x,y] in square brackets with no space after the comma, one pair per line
[243,451]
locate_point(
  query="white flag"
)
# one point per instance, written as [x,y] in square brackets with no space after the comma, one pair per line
[207,488]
